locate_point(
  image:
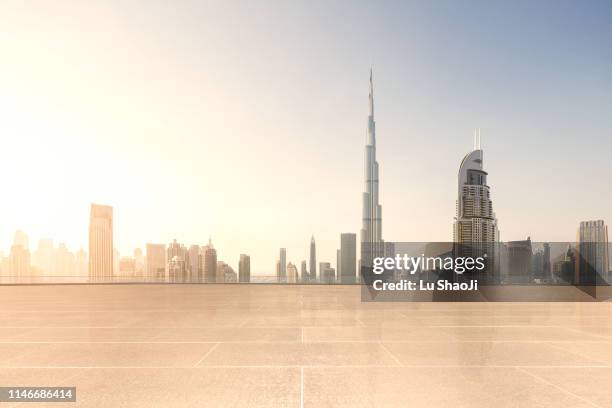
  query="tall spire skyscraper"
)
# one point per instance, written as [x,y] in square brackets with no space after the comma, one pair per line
[313,259]
[371,230]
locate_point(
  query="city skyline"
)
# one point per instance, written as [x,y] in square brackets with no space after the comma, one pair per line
[83,124]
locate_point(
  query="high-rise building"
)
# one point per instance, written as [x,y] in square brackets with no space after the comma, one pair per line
[176,269]
[4,265]
[156,262]
[127,267]
[371,230]
[282,270]
[43,257]
[292,273]
[303,272]
[177,255]
[244,268]
[64,261]
[19,260]
[101,242]
[475,229]
[546,267]
[194,267]
[347,272]
[210,263]
[313,260]
[139,263]
[225,273]
[338,263]
[518,261]
[327,274]
[564,267]
[592,261]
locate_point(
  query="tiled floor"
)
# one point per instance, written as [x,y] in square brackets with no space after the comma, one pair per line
[315,346]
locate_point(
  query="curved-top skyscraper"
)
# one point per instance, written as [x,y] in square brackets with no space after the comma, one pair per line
[371,230]
[475,229]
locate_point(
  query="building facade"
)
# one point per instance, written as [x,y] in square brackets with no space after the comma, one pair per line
[371,229]
[101,254]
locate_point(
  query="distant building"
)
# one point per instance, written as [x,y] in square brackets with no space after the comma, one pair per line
[101,243]
[65,264]
[303,272]
[4,268]
[564,267]
[326,272]
[19,258]
[347,268]
[313,260]
[518,262]
[225,273]
[177,256]
[127,266]
[338,262]
[210,263]
[194,266]
[244,268]
[176,269]
[229,275]
[156,262]
[44,257]
[592,257]
[139,263]
[282,270]
[546,265]
[292,273]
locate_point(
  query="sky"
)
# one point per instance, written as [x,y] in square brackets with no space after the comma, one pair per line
[245,120]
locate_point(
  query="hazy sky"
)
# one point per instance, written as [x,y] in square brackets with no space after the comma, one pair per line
[247,120]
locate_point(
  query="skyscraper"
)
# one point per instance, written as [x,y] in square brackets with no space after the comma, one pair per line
[348,252]
[518,260]
[313,260]
[303,272]
[101,242]
[43,257]
[327,274]
[139,263]
[475,229]
[371,230]
[292,273]
[64,261]
[592,262]
[19,257]
[194,268]
[156,262]
[244,269]
[210,263]
[177,265]
[282,270]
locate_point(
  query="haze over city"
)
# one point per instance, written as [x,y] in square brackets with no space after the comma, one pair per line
[247,122]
